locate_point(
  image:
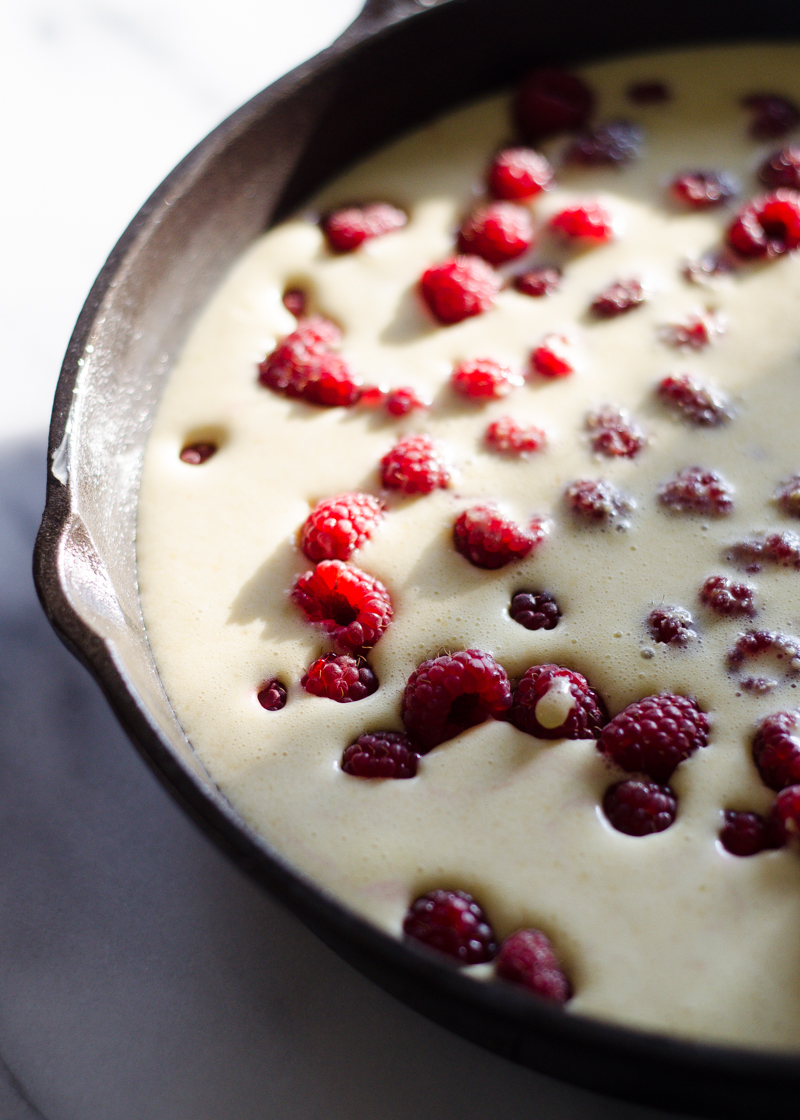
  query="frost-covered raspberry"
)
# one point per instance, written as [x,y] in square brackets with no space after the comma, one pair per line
[639,808]
[451,693]
[498,232]
[538,282]
[697,490]
[553,357]
[767,226]
[347,229]
[508,437]
[723,596]
[596,500]
[614,433]
[619,297]
[535,610]
[744,834]
[517,174]
[773,115]
[527,958]
[589,221]
[381,754]
[401,401]
[551,702]
[459,288]
[484,379]
[415,465]
[612,143]
[549,101]
[488,540]
[787,496]
[670,626]
[343,679]
[453,923]
[782,169]
[781,549]
[652,736]
[784,817]
[351,606]
[272,695]
[304,367]
[776,750]
[703,189]
[695,332]
[693,401]
[336,527]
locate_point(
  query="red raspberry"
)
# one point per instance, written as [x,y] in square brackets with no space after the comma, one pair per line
[648,93]
[773,115]
[787,496]
[654,735]
[784,817]
[498,232]
[619,297]
[272,695]
[696,332]
[459,288]
[197,453]
[508,437]
[782,169]
[693,401]
[336,527]
[517,174]
[782,549]
[380,754]
[614,143]
[727,598]
[449,694]
[552,358]
[707,271]
[550,101]
[538,282]
[295,301]
[373,396]
[589,221]
[639,808]
[415,465]
[484,379]
[399,402]
[776,750]
[526,958]
[347,229]
[760,643]
[744,834]
[696,490]
[768,226]
[535,610]
[670,626]
[489,540]
[614,433]
[702,189]
[351,606]
[453,923]
[594,499]
[343,679]
[304,367]
[551,702]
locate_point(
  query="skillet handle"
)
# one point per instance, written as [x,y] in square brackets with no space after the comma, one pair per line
[383,13]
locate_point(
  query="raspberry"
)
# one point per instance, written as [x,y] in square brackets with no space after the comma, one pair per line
[696,332]
[538,282]
[776,750]
[670,626]
[768,226]
[449,694]
[594,499]
[526,958]
[614,143]
[535,610]
[380,754]
[373,396]
[508,437]
[550,101]
[459,288]
[693,401]
[654,735]
[744,834]
[782,549]
[304,367]
[347,229]
[784,817]
[351,606]
[590,221]
[343,679]
[484,379]
[760,643]
[517,174]
[782,169]
[453,923]
[648,93]
[336,527]
[727,598]
[707,271]
[787,496]
[619,297]
[696,490]
[272,695]
[639,808]
[773,115]
[703,189]
[415,465]
[498,232]
[552,358]
[295,300]
[399,402]
[489,540]
[197,453]
[551,702]
[614,433]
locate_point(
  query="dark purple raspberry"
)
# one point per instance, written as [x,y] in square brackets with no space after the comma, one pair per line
[526,958]
[697,490]
[776,750]
[197,453]
[490,541]
[619,297]
[347,229]
[459,288]
[670,626]
[744,834]
[650,92]
[723,596]
[784,817]
[766,643]
[773,115]
[381,754]
[703,189]
[767,226]
[295,301]
[614,143]
[594,499]
[551,702]
[350,605]
[453,923]
[517,174]
[652,736]
[782,169]
[337,527]
[272,695]
[781,549]
[549,101]
[538,282]
[614,433]
[639,808]
[498,232]
[535,610]
[693,401]
[449,694]
[343,679]
[787,496]
[415,465]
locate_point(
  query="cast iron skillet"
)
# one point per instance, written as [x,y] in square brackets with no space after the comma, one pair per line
[401,62]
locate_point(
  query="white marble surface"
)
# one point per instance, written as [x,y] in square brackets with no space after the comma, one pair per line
[143,977]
